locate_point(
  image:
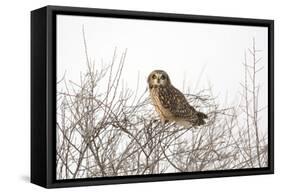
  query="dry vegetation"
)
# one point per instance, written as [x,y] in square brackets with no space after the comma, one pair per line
[115,131]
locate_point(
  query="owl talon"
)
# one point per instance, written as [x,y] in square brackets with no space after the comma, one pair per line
[164,122]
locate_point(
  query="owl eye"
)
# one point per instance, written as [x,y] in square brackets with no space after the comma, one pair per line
[153,76]
[163,77]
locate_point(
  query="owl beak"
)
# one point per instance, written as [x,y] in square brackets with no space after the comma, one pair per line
[158,81]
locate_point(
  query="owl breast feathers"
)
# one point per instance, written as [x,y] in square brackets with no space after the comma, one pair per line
[172,106]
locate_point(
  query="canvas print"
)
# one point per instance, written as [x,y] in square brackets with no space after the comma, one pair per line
[142,97]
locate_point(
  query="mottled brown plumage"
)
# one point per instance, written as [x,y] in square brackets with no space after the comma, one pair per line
[170,103]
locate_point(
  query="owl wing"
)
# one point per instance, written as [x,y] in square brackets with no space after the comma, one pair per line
[173,100]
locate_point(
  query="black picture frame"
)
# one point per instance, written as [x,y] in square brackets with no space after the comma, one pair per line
[43,95]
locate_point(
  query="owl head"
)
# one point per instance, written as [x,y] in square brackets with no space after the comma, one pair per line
[158,78]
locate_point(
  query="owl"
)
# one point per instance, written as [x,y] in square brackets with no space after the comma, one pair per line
[170,103]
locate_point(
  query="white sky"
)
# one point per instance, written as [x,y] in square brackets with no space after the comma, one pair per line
[182,49]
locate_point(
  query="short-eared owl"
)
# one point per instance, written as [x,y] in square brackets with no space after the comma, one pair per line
[170,103]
